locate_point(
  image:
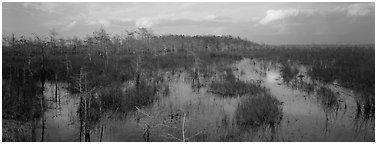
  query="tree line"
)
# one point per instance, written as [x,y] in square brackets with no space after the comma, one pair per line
[102,43]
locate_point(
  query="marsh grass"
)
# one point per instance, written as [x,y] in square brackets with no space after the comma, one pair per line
[351,65]
[364,106]
[288,72]
[113,98]
[233,88]
[258,110]
[308,87]
[210,58]
[327,98]
[230,86]
[16,131]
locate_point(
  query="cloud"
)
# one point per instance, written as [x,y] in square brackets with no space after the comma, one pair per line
[184,18]
[360,9]
[72,24]
[218,18]
[45,7]
[223,18]
[273,15]
[122,22]
[104,22]
[210,17]
[69,26]
[268,22]
[145,22]
[255,19]
[219,31]
[107,22]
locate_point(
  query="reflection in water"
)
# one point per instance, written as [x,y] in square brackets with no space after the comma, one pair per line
[61,120]
[182,111]
[273,77]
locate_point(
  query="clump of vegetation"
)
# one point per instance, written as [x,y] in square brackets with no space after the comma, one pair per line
[15,131]
[323,73]
[258,110]
[364,106]
[232,87]
[288,72]
[21,99]
[309,87]
[327,98]
[137,94]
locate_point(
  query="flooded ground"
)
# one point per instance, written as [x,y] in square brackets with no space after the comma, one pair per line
[188,111]
[308,116]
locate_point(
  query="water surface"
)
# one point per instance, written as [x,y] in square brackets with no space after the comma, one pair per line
[192,112]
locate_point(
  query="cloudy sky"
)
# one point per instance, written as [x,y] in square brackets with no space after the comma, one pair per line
[271,23]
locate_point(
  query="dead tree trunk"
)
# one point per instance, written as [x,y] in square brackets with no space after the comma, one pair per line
[42,112]
[56,87]
[81,117]
[87,119]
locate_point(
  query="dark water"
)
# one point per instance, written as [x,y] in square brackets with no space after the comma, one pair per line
[194,114]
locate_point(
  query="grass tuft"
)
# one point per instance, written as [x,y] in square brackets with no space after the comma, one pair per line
[255,111]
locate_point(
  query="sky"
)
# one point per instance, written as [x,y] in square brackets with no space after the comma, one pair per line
[270,23]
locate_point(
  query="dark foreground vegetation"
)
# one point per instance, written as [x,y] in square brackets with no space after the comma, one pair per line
[259,110]
[122,72]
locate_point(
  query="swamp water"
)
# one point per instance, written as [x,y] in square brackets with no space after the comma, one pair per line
[190,112]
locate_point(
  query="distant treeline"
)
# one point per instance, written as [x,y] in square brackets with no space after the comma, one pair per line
[139,41]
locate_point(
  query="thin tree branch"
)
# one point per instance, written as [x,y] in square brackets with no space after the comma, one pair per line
[164,126]
[141,111]
[183,127]
[196,134]
[167,135]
